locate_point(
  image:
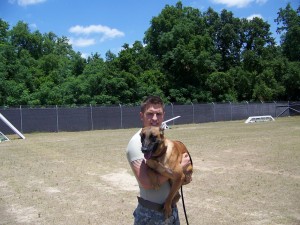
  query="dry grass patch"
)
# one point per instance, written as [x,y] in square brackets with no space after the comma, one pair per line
[244,174]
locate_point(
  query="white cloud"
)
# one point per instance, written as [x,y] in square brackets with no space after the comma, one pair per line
[107,32]
[253,16]
[92,35]
[231,3]
[26,2]
[238,3]
[261,1]
[82,42]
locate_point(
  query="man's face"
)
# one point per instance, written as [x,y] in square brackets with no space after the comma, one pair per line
[153,116]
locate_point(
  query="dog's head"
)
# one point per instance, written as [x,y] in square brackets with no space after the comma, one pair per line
[151,138]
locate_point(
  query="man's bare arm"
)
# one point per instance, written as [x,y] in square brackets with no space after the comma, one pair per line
[139,169]
[185,163]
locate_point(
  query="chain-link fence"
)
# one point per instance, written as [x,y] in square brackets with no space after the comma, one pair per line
[56,119]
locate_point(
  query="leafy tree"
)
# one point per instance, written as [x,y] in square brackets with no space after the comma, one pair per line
[75,91]
[20,36]
[243,83]
[228,39]
[187,56]
[289,19]
[221,86]
[257,40]
[5,51]
[151,82]
[49,42]
[78,64]
[291,81]
[91,78]
[174,37]
[4,26]
[266,87]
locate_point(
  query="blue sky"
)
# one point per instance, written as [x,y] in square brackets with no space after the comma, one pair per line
[101,25]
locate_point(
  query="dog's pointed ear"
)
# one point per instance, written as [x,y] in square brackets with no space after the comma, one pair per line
[163,126]
[161,130]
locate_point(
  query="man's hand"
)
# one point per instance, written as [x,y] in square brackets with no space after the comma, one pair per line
[185,163]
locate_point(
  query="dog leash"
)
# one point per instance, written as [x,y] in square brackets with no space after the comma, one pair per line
[182,198]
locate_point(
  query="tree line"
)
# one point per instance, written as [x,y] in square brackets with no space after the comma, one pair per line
[186,56]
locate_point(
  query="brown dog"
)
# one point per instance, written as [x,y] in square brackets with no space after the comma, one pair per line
[164,156]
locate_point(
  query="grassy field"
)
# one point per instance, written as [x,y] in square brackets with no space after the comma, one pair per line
[243,174]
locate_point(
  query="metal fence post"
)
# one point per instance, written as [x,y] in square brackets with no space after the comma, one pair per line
[193,112]
[230,111]
[121,115]
[21,118]
[57,129]
[214,111]
[172,111]
[92,122]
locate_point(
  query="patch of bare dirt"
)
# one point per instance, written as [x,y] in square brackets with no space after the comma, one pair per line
[243,175]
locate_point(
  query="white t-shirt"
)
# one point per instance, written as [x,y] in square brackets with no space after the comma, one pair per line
[133,153]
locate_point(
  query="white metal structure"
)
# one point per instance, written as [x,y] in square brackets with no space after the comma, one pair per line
[255,119]
[11,126]
[3,137]
[164,124]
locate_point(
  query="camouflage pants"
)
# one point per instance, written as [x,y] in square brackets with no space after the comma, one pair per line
[145,216]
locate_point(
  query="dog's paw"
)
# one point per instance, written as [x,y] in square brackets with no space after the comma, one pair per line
[167,211]
[176,199]
[187,178]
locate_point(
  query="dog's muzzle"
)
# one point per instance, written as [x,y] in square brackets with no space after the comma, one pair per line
[149,149]
[145,149]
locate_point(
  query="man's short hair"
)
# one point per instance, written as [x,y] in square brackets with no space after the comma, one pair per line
[152,100]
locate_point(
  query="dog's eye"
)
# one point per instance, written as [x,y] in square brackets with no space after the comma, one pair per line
[152,138]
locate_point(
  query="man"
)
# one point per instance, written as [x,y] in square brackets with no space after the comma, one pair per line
[150,202]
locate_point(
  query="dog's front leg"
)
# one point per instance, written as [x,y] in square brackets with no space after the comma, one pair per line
[160,168]
[174,195]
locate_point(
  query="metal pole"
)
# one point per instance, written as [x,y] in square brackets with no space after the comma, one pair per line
[193,112]
[230,111]
[214,111]
[92,122]
[21,117]
[57,129]
[172,111]
[121,115]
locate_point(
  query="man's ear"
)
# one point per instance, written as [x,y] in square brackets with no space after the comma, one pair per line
[141,116]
